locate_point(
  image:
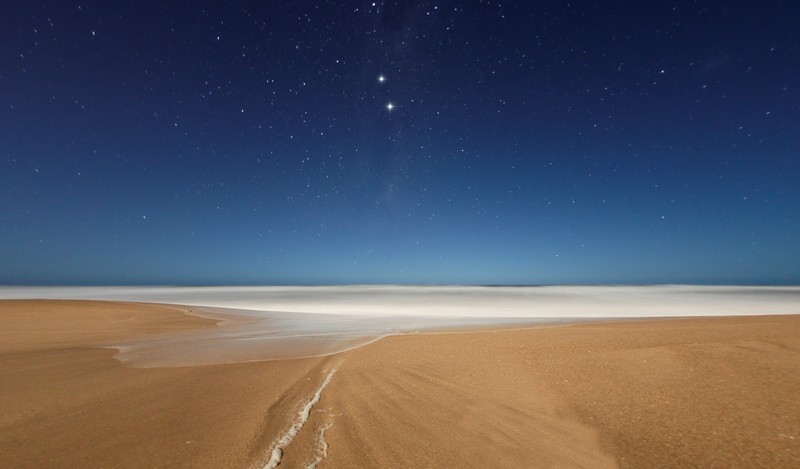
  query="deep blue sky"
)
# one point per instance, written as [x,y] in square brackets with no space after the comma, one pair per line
[529,142]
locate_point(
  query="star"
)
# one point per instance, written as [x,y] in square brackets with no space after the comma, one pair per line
[381,78]
[389,107]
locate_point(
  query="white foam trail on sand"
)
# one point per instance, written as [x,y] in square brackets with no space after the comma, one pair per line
[322,449]
[302,417]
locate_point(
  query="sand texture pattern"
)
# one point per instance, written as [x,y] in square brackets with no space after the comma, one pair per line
[66,404]
[704,392]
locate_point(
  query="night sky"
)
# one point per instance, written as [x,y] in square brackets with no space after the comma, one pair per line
[474,142]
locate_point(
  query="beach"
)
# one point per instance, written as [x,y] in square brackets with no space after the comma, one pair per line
[678,392]
[705,392]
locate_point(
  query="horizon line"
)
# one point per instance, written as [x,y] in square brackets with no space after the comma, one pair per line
[485,285]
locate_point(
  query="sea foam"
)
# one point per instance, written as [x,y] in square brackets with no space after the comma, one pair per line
[258,323]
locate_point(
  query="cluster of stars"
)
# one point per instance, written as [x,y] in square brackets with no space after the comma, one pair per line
[511,123]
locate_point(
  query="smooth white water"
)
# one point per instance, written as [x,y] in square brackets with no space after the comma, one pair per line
[257,323]
[456,301]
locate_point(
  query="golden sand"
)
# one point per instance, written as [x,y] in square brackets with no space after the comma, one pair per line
[711,392]
[657,393]
[64,404]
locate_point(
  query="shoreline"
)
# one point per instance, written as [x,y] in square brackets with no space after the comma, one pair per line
[614,393]
[442,301]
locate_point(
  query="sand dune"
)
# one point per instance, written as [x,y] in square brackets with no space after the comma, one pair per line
[655,393]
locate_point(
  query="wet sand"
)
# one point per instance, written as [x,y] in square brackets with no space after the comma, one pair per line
[655,393]
[66,404]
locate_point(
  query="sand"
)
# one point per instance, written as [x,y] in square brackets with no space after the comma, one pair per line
[711,392]
[66,404]
[656,393]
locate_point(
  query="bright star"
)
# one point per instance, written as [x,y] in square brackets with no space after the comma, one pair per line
[389,107]
[381,78]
